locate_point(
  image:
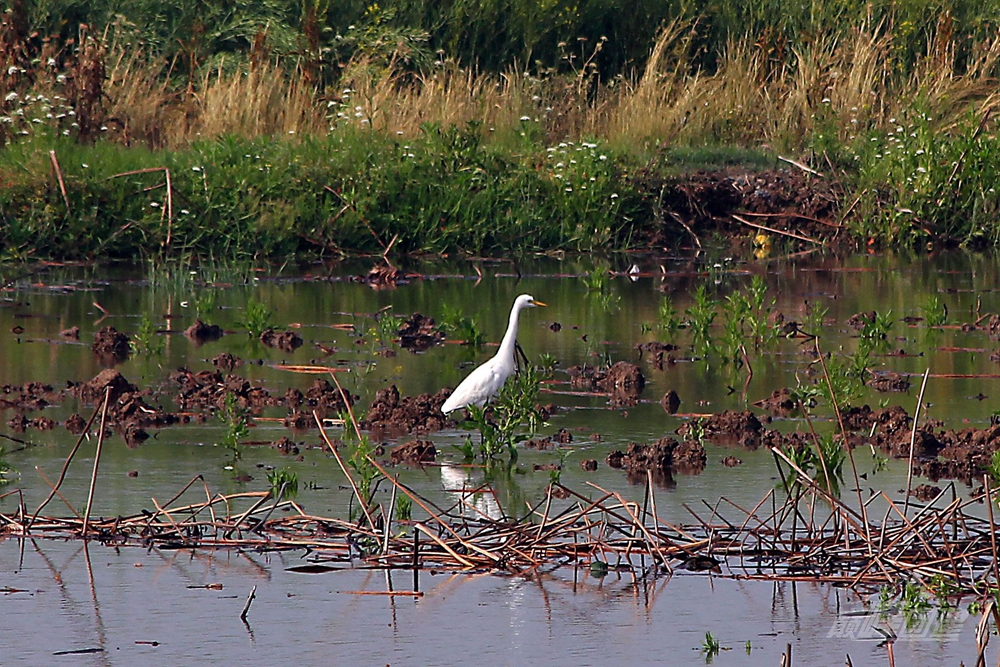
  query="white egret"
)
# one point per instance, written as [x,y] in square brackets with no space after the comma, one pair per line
[483,383]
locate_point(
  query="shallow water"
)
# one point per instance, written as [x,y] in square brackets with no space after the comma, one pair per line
[564,616]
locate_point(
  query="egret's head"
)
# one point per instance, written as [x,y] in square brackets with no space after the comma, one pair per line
[527,301]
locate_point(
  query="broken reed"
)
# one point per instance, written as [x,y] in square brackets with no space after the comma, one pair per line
[802,533]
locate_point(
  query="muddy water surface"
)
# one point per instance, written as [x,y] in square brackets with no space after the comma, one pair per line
[59,597]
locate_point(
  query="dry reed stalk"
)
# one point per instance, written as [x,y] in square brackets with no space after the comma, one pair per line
[97,460]
[62,474]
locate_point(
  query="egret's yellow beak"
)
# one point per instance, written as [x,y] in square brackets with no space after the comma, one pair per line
[535,302]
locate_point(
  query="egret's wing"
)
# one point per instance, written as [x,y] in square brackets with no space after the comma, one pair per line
[480,386]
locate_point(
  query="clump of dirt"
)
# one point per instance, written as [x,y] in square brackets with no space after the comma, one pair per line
[207,390]
[563,437]
[392,413]
[419,333]
[728,428]
[861,320]
[286,446]
[19,423]
[92,392]
[659,353]
[589,465]
[662,458]
[111,346]
[885,382]
[414,452]
[539,444]
[27,397]
[128,413]
[624,381]
[731,462]
[926,492]
[779,403]
[381,276]
[73,333]
[670,402]
[75,424]
[287,340]
[201,333]
[226,362]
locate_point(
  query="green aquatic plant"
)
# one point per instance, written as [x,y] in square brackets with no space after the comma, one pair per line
[511,418]
[404,508]
[284,483]
[993,467]
[236,419]
[256,318]
[668,319]
[366,475]
[935,311]
[146,339]
[386,328]
[547,363]
[461,327]
[812,322]
[699,317]
[710,646]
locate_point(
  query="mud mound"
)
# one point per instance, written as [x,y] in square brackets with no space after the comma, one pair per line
[201,333]
[885,382]
[93,392]
[19,423]
[322,394]
[392,413]
[729,428]
[27,397]
[658,353]
[662,458]
[589,465]
[286,446]
[75,424]
[287,341]
[128,413]
[207,390]
[624,381]
[861,320]
[226,362]
[779,403]
[670,402]
[73,333]
[414,452]
[111,346]
[926,493]
[419,333]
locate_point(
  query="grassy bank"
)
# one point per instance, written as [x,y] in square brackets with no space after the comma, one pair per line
[338,130]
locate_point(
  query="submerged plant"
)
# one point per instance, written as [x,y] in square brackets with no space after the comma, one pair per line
[699,318]
[935,311]
[284,483]
[668,320]
[710,646]
[366,474]
[511,411]
[461,327]
[404,508]
[236,418]
[256,318]
[146,339]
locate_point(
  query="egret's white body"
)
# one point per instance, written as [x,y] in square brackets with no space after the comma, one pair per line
[483,383]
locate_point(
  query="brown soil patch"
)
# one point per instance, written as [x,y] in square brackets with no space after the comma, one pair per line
[287,340]
[395,414]
[419,333]
[226,362]
[27,397]
[111,346]
[670,402]
[414,452]
[662,458]
[201,333]
[779,403]
[729,428]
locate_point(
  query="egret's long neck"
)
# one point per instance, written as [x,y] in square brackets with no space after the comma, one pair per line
[506,350]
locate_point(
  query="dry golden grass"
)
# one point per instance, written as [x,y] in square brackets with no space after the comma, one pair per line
[846,82]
